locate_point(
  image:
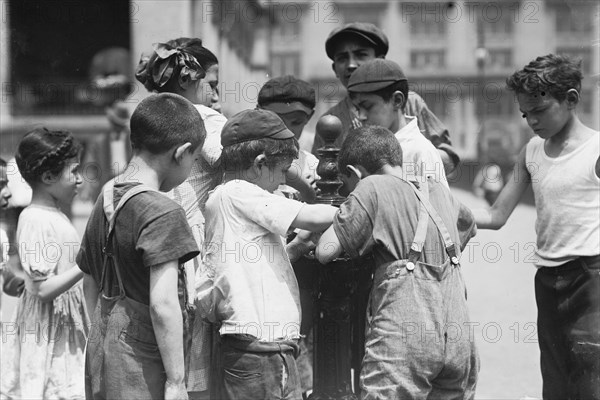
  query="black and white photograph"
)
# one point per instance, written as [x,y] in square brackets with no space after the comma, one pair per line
[300,199]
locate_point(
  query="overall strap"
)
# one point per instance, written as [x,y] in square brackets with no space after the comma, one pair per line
[426,210]
[111,215]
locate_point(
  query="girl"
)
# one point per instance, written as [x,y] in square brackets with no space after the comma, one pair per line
[44,354]
[183,66]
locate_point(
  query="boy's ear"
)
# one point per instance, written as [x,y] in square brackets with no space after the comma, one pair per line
[260,161]
[180,151]
[398,99]
[572,97]
[356,171]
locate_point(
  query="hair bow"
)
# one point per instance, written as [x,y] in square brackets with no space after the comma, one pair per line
[171,57]
[141,71]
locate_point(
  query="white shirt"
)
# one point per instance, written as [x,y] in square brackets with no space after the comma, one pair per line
[567,199]
[419,157]
[246,281]
[206,173]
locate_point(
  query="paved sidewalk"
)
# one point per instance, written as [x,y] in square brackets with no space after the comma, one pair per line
[499,274]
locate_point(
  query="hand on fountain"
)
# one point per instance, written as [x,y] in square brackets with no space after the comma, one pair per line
[304,242]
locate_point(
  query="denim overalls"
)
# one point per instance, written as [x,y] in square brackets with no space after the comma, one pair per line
[419,341]
[123,360]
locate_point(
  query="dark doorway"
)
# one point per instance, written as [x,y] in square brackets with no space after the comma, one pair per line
[52,44]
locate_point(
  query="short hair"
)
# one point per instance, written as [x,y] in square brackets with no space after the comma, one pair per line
[42,150]
[162,121]
[371,147]
[552,73]
[240,156]
[387,92]
[2,162]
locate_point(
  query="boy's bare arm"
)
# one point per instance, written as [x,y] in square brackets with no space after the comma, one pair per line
[314,217]
[496,216]
[329,247]
[167,322]
[90,292]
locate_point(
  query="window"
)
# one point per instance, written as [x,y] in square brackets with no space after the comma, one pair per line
[495,101]
[427,59]
[427,20]
[52,45]
[578,53]
[497,20]
[285,36]
[361,13]
[500,58]
[286,30]
[285,64]
[573,22]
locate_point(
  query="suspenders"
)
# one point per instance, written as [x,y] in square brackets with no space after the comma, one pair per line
[426,210]
[111,213]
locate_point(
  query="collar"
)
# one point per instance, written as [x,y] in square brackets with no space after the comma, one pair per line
[410,128]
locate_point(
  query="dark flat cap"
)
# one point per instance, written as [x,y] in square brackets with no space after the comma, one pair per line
[375,75]
[252,125]
[285,94]
[362,30]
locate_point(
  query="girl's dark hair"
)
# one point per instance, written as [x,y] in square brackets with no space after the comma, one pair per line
[371,147]
[240,156]
[42,150]
[173,62]
[554,74]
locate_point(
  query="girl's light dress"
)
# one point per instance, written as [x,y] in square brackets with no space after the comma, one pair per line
[43,345]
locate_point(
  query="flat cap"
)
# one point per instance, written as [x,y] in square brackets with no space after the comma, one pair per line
[252,125]
[375,75]
[362,30]
[285,94]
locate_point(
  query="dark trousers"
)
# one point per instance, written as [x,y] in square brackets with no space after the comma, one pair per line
[259,370]
[568,301]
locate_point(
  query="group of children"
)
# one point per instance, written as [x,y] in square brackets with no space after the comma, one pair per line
[159,272]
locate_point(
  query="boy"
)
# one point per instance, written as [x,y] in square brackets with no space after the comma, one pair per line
[293,100]
[417,341]
[136,348]
[349,47]
[248,284]
[563,165]
[379,90]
